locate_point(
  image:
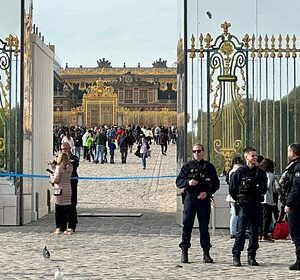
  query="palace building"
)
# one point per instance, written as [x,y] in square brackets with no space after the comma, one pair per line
[116,95]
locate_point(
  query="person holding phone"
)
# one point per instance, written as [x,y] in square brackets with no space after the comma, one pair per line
[62,177]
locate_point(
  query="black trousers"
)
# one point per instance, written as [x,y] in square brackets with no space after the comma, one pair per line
[164,148]
[249,215]
[294,228]
[62,213]
[193,206]
[85,152]
[124,152]
[73,211]
[267,218]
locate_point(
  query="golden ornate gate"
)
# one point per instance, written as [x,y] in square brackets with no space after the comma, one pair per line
[9,104]
[247,95]
[100,106]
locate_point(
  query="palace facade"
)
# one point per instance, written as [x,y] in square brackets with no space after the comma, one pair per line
[116,95]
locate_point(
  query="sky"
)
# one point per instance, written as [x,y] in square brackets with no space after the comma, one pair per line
[130,31]
[141,31]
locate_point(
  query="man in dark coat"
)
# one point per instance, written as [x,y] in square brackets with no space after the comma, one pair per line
[200,181]
[247,187]
[292,184]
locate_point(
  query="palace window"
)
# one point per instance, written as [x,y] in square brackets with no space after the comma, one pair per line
[128,96]
[143,95]
[151,99]
[120,94]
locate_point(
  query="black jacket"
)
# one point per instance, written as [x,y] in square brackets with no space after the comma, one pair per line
[202,171]
[74,160]
[256,180]
[293,196]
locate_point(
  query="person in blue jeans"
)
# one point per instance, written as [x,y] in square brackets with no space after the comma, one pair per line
[144,147]
[112,148]
[237,162]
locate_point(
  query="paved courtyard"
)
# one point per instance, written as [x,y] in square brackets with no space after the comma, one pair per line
[129,247]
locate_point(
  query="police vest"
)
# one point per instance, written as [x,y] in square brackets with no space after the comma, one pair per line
[250,188]
[199,172]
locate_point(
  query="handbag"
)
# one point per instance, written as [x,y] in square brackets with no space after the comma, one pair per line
[281,226]
[57,190]
[280,230]
[137,152]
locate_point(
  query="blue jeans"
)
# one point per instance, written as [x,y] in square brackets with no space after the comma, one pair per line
[143,157]
[77,152]
[233,219]
[99,153]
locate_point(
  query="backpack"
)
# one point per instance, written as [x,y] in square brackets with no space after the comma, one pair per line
[123,141]
[111,133]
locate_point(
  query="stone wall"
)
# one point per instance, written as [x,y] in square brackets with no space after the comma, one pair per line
[36,190]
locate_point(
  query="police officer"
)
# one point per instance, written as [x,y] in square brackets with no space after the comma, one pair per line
[199,180]
[247,187]
[291,178]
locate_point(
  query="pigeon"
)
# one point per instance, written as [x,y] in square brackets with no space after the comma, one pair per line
[58,275]
[209,14]
[46,253]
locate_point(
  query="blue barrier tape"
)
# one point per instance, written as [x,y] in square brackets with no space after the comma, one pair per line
[88,178]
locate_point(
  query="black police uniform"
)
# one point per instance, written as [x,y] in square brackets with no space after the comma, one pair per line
[247,187]
[292,185]
[74,160]
[208,181]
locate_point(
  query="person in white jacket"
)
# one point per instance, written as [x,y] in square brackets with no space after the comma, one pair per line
[237,162]
[268,203]
[84,144]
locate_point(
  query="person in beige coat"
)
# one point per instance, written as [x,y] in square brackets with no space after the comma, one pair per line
[61,176]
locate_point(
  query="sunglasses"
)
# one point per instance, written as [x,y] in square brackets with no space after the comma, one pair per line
[197,151]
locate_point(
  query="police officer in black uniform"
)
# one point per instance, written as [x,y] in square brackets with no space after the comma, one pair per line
[290,180]
[247,187]
[199,180]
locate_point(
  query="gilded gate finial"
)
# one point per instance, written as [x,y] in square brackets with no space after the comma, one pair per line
[294,50]
[208,40]
[253,46]
[259,52]
[192,53]
[287,52]
[279,54]
[201,54]
[266,54]
[272,47]
[13,43]
[225,27]
[246,41]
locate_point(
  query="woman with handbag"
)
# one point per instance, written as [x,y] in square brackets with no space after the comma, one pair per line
[61,179]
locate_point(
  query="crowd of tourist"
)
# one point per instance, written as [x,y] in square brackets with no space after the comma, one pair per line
[99,144]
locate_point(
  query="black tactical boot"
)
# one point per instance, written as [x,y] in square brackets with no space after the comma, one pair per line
[296,265]
[184,256]
[252,261]
[236,261]
[207,258]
